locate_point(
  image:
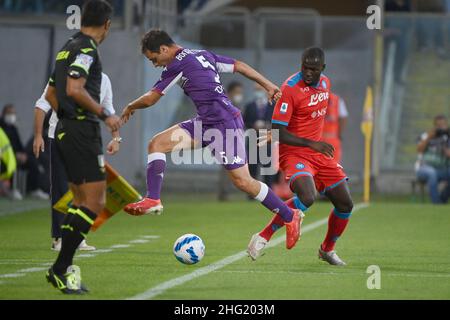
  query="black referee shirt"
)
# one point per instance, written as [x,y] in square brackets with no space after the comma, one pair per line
[77,58]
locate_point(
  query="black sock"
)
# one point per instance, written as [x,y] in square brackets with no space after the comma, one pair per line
[72,235]
[65,225]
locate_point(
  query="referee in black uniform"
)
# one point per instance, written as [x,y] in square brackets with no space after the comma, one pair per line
[74,91]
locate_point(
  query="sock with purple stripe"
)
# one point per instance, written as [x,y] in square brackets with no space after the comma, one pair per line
[270,200]
[155,174]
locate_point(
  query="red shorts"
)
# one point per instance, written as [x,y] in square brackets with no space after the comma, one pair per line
[326,172]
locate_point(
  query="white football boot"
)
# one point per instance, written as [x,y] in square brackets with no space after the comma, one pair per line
[331,257]
[256,246]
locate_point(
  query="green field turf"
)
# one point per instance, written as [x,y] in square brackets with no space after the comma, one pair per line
[409,242]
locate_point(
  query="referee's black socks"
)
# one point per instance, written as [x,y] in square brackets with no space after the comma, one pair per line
[74,229]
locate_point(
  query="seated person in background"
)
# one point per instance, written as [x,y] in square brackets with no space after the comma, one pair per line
[8,121]
[433,165]
[7,164]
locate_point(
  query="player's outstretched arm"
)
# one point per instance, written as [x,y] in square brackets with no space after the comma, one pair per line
[247,71]
[288,138]
[144,101]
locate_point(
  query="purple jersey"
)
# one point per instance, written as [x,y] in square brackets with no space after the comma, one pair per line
[197,72]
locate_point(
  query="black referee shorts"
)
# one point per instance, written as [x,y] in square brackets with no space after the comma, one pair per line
[80,146]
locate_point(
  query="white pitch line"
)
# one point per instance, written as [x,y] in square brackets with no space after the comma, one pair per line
[23,272]
[85,255]
[362,273]
[103,250]
[150,237]
[17,263]
[22,260]
[139,241]
[27,270]
[12,275]
[162,287]
[120,246]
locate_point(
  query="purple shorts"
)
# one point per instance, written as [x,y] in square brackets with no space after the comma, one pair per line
[225,139]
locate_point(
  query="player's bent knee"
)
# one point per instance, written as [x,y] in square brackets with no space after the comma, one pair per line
[348,207]
[306,199]
[242,184]
[154,145]
[345,207]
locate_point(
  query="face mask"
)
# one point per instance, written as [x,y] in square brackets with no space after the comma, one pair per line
[237,99]
[10,119]
[261,96]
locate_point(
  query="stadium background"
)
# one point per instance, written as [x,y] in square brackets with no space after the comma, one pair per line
[269,35]
[407,65]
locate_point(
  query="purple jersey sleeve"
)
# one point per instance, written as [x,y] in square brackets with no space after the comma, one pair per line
[223,64]
[169,77]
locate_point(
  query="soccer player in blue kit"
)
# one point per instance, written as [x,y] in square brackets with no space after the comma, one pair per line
[197,73]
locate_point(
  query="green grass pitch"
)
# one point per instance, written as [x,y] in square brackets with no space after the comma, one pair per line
[409,242]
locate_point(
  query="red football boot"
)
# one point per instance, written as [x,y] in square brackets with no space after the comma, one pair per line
[293,229]
[144,206]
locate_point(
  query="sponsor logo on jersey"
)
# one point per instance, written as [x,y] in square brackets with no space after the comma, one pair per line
[299,166]
[84,61]
[237,160]
[318,97]
[319,113]
[284,107]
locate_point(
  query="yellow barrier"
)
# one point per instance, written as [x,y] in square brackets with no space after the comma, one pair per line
[119,193]
[367,129]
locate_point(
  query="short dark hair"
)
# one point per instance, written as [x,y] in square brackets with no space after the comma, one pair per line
[314,54]
[96,13]
[154,39]
[233,85]
[440,117]
[6,107]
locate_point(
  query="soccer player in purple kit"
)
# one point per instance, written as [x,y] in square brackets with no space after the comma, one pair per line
[197,72]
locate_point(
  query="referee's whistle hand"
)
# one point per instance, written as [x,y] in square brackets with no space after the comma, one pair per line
[113,123]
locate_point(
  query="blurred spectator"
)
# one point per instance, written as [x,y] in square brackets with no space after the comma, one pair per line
[235,91]
[398,5]
[7,164]
[258,115]
[398,30]
[334,124]
[430,28]
[433,164]
[8,122]
[50,6]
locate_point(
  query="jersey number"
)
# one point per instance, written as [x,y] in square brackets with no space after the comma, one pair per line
[206,64]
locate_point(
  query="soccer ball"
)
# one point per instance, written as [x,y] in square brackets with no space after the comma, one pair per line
[189,249]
